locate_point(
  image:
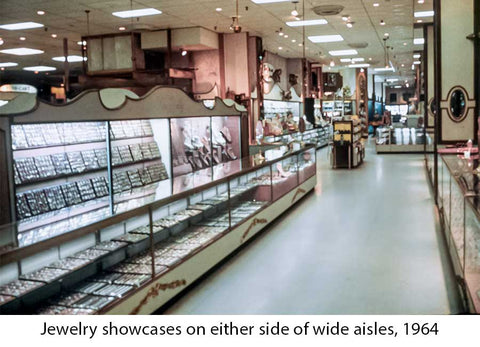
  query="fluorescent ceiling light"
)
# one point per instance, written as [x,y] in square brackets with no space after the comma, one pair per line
[137,13]
[344,52]
[392,80]
[417,62]
[419,41]
[397,87]
[268,1]
[3,102]
[21,26]
[21,51]
[325,38]
[356,60]
[359,65]
[70,58]
[345,60]
[301,23]
[416,56]
[40,68]
[424,14]
[385,69]
[8,64]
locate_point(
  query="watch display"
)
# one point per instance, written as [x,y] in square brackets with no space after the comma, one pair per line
[90,160]
[55,198]
[61,164]
[146,128]
[23,210]
[100,186]
[114,290]
[86,190]
[76,162]
[121,182]
[71,194]
[93,302]
[27,170]
[144,176]
[34,135]
[131,279]
[101,155]
[125,155]
[19,141]
[134,178]
[136,152]
[45,166]
[37,201]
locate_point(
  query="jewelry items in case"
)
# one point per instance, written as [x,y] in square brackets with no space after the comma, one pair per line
[19,287]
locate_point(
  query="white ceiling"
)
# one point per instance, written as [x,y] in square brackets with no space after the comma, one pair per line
[67,19]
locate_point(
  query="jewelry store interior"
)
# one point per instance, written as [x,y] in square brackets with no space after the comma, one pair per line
[239,157]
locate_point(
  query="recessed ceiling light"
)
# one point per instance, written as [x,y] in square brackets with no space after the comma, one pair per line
[218,9]
[403,65]
[137,13]
[301,23]
[417,62]
[268,1]
[184,53]
[346,60]
[392,80]
[9,64]
[382,22]
[356,60]
[21,51]
[294,40]
[39,68]
[332,63]
[300,44]
[419,41]
[54,36]
[424,14]
[350,25]
[122,28]
[419,21]
[70,58]
[280,48]
[397,87]
[404,43]
[325,38]
[416,56]
[358,65]
[22,38]
[285,36]
[1,41]
[376,4]
[421,1]
[369,59]
[21,26]
[294,12]
[343,52]
[40,12]
[82,43]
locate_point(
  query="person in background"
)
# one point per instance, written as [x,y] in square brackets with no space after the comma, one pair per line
[377,121]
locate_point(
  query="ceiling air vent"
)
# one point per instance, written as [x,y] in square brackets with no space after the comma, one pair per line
[328,10]
[358,45]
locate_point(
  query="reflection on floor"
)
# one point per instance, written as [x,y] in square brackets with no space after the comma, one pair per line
[364,243]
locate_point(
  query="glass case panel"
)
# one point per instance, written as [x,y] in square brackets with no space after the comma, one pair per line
[457,220]
[446,195]
[306,165]
[140,157]
[472,251]
[284,176]
[248,194]
[61,177]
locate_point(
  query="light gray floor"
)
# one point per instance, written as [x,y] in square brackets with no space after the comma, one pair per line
[364,243]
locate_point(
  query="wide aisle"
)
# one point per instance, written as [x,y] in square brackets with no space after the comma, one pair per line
[364,243]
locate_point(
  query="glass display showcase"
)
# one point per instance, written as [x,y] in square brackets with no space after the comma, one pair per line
[459,191]
[111,266]
[318,136]
[400,139]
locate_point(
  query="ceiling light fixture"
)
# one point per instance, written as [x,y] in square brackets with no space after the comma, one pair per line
[54,36]
[21,51]
[417,62]
[184,53]
[301,23]
[343,52]
[346,60]
[137,13]
[294,40]
[419,21]
[382,22]
[82,43]
[22,38]
[391,80]
[280,32]
[424,14]
[421,1]
[332,63]
[358,65]
[295,12]
[280,48]
[1,41]
[325,38]
[345,17]
[70,58]
[40,68]
[419,41]
[356,60]
[219,9]
[267,1]
[235,26]
[416,56]
[122,28]
[285,36]
[9,64]
[350,25]
[376,4]
[404,43]
[40,12]
[403,65]
[21,26]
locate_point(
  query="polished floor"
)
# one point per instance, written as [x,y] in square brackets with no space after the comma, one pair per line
[365,242]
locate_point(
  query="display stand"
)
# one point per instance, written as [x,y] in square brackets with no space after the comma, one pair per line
[348,150]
